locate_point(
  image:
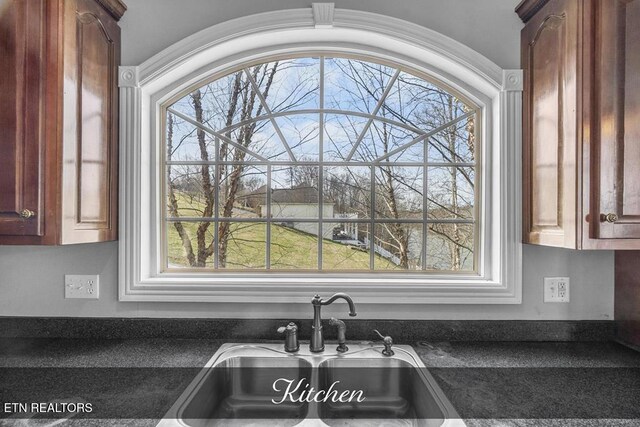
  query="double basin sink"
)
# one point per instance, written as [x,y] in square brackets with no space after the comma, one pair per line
[260,384]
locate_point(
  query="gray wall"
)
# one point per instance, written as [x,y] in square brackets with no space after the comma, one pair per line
[489,26]
[31,278]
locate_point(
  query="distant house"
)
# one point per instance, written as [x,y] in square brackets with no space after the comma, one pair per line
[289,204]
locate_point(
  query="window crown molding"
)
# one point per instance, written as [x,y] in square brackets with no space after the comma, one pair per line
[188,48]
[146,86]
[323,14]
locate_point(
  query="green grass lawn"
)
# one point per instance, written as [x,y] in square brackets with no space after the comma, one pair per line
[290,248]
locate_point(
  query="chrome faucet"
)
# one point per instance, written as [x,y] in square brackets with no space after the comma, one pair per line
[317,341]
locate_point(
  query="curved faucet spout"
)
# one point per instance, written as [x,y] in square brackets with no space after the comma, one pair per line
[340,295]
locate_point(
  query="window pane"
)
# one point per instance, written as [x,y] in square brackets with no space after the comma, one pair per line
[415,101]
[190,190]
[294,192]
[456,143]
[242,245]
[230,99]
[347,191]
[189,244]
[289,84]
[294,245]
[450,247]
[382,138]
[259,137]
[302,134]
[398,246]
[411,151]
[345,246]
[450,193]
[186,142]
[242,191]
[341,134]
[399,192]
[354,85]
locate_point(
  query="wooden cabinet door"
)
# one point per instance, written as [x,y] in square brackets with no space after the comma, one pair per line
[21,117]
[550,49]
[617,179]
[90,104]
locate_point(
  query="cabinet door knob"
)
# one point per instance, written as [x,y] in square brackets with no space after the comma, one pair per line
[26,214]
[610,217]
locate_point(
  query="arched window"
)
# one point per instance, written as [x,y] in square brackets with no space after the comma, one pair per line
[279,155]
[321,163]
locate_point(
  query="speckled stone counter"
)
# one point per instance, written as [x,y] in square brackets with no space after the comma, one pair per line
[163,368]
[482,378]
[537,383]
[105,353]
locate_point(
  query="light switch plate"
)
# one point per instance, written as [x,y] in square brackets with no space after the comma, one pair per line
[556,289]
[81,286]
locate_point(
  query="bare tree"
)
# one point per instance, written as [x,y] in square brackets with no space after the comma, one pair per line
[173,202]
[233,105]
[245,136]
[243,100]
[416,103]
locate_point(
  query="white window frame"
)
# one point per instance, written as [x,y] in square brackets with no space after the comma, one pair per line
[322,28]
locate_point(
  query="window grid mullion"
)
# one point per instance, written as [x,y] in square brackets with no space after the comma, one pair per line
[425,202]
[372,236]
[268,111]
[320,167]
[315,220]
[214,133]
[326,111]
[427,135]
[314,163]
[373,114]
[268,224]
[216,201]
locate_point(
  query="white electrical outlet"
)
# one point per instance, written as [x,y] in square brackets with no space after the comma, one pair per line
[81,286]
[556,289]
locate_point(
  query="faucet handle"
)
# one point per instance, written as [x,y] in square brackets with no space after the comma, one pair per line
[387,341]
[291,344]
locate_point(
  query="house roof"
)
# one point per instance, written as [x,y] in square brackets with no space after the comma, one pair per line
[299,194]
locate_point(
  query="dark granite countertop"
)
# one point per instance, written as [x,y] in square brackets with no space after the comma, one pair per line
[562,384]
[489,383]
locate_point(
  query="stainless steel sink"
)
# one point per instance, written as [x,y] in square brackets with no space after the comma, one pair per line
[241,387]
[236,388]
[395,390]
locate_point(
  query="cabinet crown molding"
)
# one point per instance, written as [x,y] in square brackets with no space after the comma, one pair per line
[116,8]
[527,8]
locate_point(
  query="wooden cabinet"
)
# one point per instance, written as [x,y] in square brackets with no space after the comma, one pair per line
[617,97]
[550,63]
[581,106]
[58,145]
[22,41]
